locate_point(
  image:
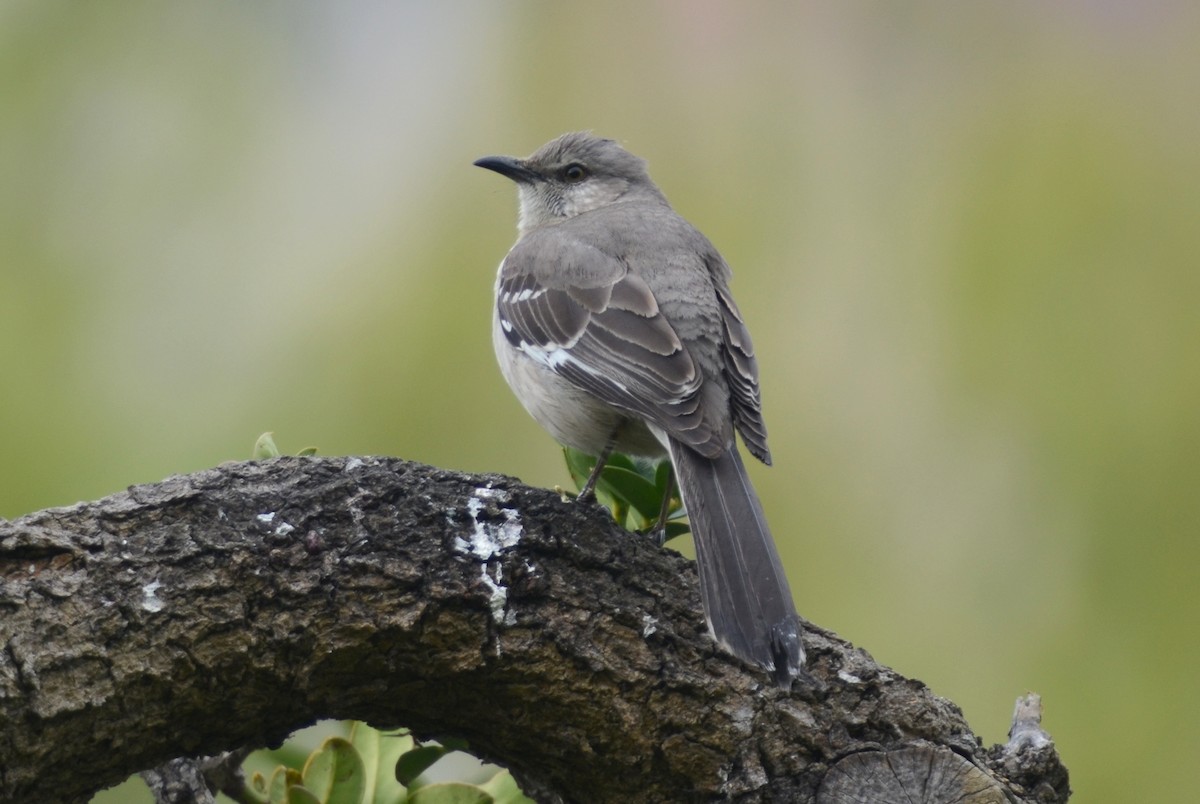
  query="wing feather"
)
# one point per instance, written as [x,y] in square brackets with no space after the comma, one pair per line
[741,374]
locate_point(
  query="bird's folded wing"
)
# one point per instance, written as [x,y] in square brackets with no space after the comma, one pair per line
[741,375]
[584,315]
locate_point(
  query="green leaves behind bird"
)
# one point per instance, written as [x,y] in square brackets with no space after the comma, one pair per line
[373,767]
[633,489]
[264,448]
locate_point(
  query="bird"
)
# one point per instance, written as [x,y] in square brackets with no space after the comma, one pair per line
[615,328]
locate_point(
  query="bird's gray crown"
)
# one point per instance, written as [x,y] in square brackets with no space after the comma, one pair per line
[602,157]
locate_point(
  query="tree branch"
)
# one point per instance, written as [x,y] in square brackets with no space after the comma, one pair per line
[230,607]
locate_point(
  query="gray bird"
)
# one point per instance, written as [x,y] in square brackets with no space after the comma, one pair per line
[615,328]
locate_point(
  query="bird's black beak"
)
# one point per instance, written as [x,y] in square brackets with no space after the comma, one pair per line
[509,166]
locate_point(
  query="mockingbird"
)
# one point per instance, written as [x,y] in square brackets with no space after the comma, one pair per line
[615,328]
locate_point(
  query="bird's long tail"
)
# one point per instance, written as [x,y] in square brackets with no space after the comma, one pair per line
[746,597]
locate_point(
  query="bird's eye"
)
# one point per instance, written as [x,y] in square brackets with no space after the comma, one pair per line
[575,172]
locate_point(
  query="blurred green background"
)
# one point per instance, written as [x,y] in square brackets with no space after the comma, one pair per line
[965,236]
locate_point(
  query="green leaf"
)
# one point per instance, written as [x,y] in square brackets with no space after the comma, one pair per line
[415,762]
[366,742]
[503,789]
[579,465]
[388,789]
[622,461]
[298,794]
[676,528]
[282,778]
[318,772]
[265,448]
[450,793]
[634,489]
[334,773]
[307,451]
[454,743]
[380,752]
[255,790]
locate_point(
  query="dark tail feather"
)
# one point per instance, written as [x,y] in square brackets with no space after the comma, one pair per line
[747,601]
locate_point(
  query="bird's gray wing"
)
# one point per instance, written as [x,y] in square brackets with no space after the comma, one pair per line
[741,369]
[585,315]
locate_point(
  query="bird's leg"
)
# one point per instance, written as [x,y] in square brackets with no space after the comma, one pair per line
[659,534]
[588,491]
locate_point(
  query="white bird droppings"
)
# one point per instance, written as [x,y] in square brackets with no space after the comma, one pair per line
[849,678]
[487,540]
[150,599]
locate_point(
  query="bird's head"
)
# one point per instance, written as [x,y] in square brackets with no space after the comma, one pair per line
[570,175]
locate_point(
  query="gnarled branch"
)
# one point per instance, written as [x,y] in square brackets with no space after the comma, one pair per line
[229,607]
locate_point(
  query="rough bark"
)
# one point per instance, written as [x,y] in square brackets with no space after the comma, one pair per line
[229,607]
